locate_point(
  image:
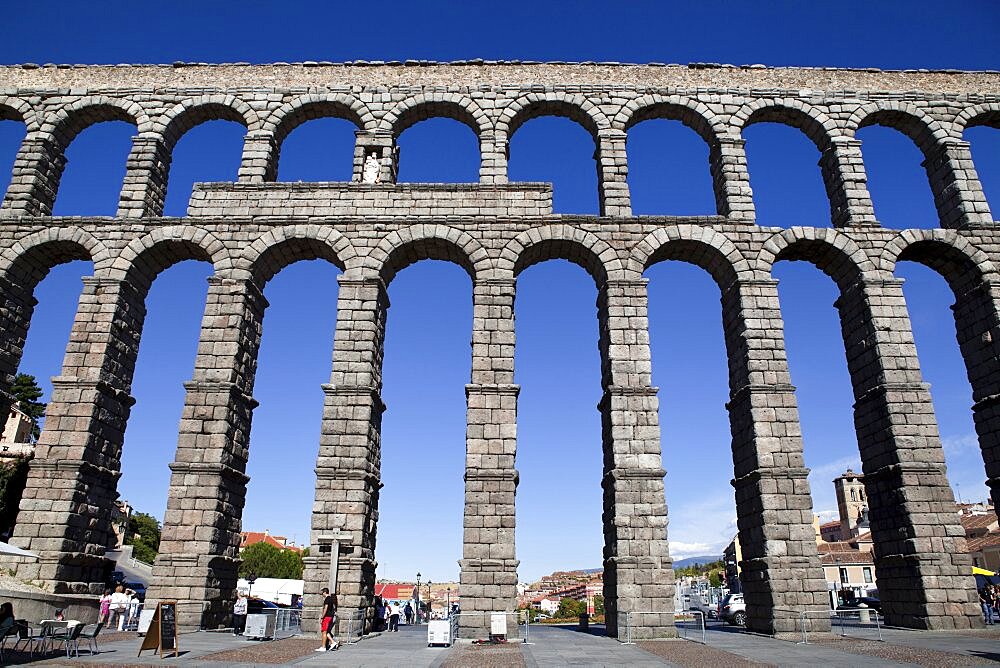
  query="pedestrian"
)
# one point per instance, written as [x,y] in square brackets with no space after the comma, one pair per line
[379,613]
[987,605]
[134,606]
[6,616]
[328,622]
[105,607]
[394,617]
[119,605]
[408,613]
[239,614]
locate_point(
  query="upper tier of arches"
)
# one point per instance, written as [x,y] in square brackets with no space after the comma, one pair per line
[935,127]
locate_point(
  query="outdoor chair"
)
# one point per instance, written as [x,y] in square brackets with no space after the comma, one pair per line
[5,635]
[70,638]
[37,638]
[89,635]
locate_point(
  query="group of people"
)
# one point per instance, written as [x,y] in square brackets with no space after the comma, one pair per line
[120,608]
[387,614]
[989,599]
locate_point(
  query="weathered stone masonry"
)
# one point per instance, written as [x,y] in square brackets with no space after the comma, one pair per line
[494,229]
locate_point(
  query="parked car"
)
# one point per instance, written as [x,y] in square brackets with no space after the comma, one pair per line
[869,601]
[256,606]
[733,610]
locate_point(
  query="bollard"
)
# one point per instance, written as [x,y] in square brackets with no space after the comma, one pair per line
[864,614]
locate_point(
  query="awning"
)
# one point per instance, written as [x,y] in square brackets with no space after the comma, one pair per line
[981,571]
[11,550]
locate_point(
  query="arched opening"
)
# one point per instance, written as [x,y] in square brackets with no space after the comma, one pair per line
[787,183]
[318,150]
[984,142]
[897,180]
[438,150]
[929,300]
[293,363]
[559,451]
[668,171]
[96,158]
[209,151]
[689,366]
[174,305]
[12,132]
[559,151]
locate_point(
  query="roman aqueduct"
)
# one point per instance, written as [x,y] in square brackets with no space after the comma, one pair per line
[373,227]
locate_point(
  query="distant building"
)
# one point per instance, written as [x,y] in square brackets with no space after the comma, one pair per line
[731,557]
[849,565]
[16,439]
[829,532]
[851,502]
[982,534]
[248,538]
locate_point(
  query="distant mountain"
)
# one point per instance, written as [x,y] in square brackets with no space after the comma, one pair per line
[691,561]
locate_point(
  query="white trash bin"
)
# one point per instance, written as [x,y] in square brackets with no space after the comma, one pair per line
[439,632]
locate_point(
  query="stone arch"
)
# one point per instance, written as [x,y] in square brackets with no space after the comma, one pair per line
[281,246]
[962,265]
[692,113]
[987,114]
[404,247]
[191,113]
[16,109]
[29,259]
[926,132]
[69,121]
[145,257]
[421,107]
[564,242]
[295,112]
[833,252]
[576,107]
[814,123]
[700,246]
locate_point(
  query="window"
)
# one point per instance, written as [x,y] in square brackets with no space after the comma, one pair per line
[868,574]
[854,495]
[843,576]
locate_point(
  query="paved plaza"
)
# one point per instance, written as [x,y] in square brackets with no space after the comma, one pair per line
[567,646]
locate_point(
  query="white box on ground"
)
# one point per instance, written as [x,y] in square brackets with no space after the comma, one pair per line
[498,624]
[259,626]
[145,619]
[439,632]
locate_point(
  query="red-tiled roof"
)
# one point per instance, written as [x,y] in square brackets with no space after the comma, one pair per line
[248,538]
[979,523]
[830,525]
[978,544]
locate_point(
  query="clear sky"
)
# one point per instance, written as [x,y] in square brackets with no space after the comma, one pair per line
[427,354]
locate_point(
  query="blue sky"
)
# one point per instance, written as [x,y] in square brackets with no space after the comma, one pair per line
[427,354]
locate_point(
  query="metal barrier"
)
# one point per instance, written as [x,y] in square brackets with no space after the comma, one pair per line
[802,622]
[857,622]
[456,620]
[355,627]
[687,616]
[287,622]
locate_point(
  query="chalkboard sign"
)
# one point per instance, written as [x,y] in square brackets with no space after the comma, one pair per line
[162,633]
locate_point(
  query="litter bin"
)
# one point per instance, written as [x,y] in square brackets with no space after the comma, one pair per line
[584,622]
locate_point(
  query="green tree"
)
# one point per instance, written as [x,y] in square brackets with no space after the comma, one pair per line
[598,604]
[25,389]
[570,608]
[144,535]
[267,561]
[715,579]
[13,476]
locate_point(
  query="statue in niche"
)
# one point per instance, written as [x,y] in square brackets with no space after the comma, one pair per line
[372,169]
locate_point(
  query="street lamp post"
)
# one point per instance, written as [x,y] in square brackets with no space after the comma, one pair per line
[429,600]
[418,597]
[449,601]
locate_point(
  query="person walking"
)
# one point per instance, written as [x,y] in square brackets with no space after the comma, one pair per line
[105,607]
[119,608]
[239,614]
[987,605]
[408,613]
[328,622]
[394,617]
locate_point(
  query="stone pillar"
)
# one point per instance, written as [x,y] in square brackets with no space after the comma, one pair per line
[958,194]
[259,163]
[15,317]
[612,173]
[383,146]
[492,159]
[147,171]
[638,572]
[920,552]
[488,581]
[199,549]
[977,323]
[65,513]
[781,571]
[846,182]
[731,180]
[348,477]
[34,181]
